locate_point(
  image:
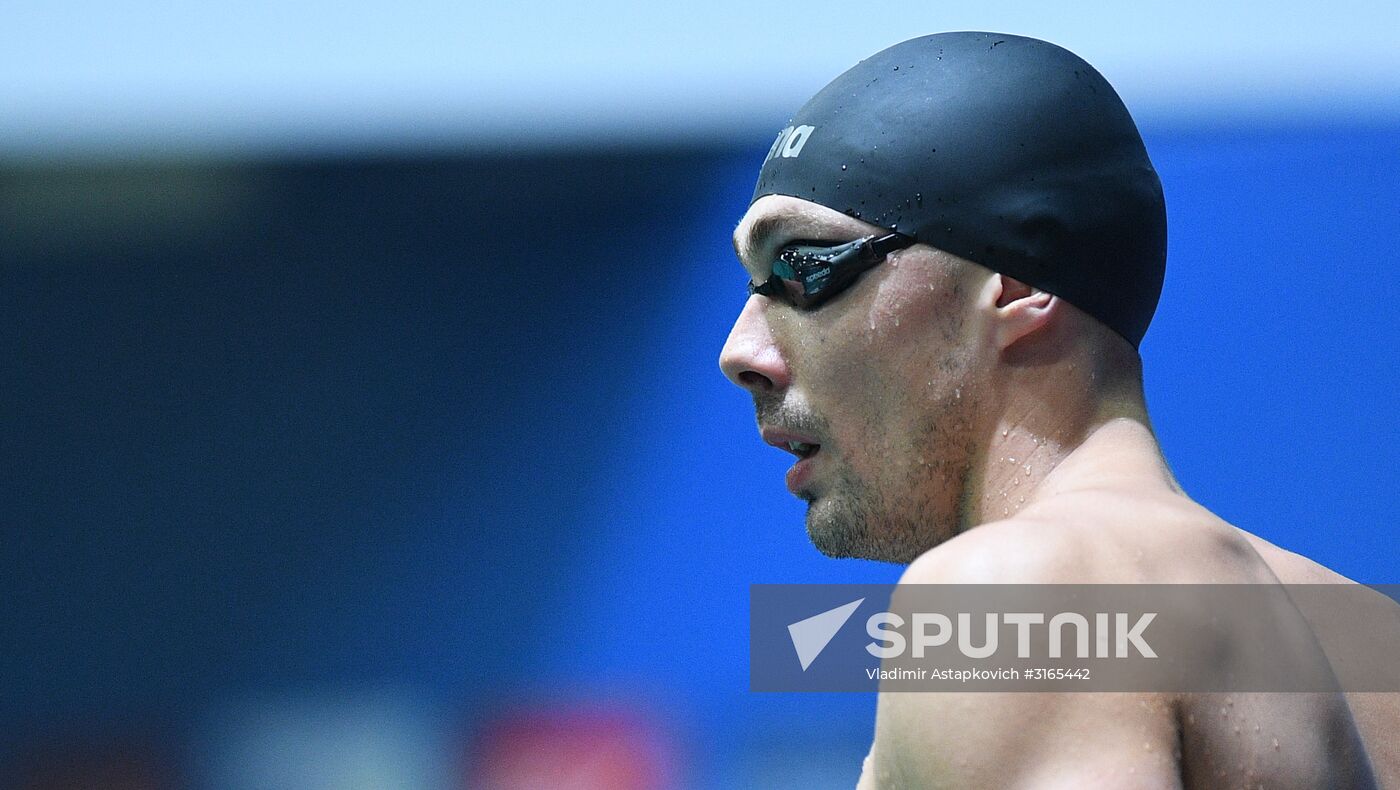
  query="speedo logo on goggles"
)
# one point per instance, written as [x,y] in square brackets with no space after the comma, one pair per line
[807,275]
[789,143]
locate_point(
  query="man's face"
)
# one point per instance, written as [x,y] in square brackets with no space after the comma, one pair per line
[883,379]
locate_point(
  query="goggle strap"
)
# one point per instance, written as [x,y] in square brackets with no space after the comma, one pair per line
[887,244]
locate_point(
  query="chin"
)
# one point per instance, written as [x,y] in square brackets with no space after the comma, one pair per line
[831,536]
[840,535]
[844,532]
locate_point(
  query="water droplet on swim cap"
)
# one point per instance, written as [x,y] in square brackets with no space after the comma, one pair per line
[1033,166]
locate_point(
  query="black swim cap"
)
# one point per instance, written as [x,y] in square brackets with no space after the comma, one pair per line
[1007,151]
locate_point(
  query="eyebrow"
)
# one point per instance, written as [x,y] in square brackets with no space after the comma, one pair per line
[792,223]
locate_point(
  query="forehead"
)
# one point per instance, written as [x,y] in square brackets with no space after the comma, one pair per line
[775,220]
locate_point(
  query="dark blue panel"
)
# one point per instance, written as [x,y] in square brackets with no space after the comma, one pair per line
[457,425]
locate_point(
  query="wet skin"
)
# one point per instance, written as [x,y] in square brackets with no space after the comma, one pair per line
[937,451]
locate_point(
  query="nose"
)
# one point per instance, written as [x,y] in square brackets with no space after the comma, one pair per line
[750,358]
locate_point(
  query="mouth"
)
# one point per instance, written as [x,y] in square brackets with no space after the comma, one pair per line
[805,448]
[800,446]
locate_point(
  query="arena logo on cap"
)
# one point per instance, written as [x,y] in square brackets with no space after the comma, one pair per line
[790,142]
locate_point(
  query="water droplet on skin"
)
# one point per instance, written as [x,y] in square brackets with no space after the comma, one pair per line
[957,393]
[1028,470]
[1276,744]
[1012,460]
[1003,431]
[843,167]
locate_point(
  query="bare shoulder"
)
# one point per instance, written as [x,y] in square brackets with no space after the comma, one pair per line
[1097,538]
[1291,567]
[1372,617]
[1031,740]
[1156,740]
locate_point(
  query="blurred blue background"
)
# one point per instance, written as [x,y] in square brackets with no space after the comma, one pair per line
[362,426]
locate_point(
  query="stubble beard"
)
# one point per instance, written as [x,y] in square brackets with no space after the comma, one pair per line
[899,512]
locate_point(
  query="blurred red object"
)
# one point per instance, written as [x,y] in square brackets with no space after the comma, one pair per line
[603,747]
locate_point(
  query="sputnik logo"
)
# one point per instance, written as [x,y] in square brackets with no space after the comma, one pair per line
[811,636]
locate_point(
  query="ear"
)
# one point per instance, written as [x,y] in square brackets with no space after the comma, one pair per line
[1017,310]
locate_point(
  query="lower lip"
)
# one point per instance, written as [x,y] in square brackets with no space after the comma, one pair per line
[799,473]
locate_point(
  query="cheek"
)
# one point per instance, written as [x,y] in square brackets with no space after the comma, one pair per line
[915,316]
[884,349]
[927,374]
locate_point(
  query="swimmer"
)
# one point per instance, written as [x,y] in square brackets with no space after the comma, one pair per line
[953,252]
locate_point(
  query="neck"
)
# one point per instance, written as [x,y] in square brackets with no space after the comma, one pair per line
[1036,453]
